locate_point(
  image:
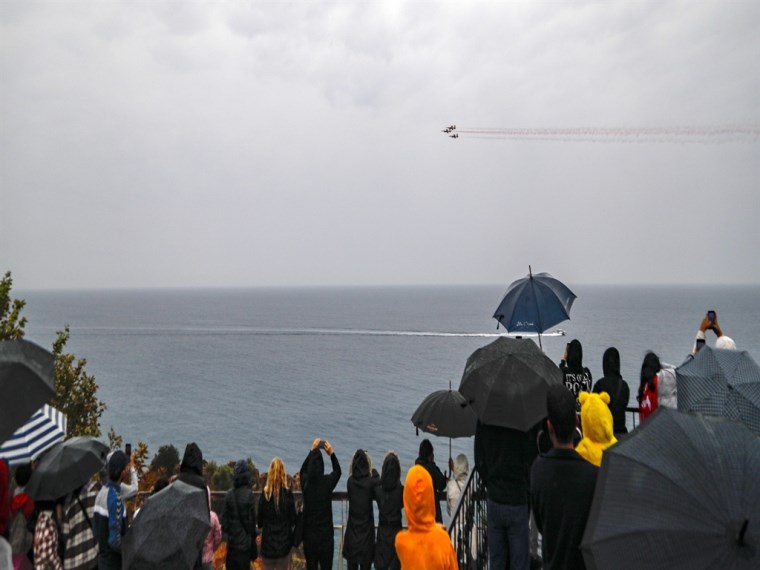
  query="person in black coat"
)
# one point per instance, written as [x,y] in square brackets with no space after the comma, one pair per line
[191,472]
[390,500]
[317,489]
[616,387]
[239,520]
[277,518]
[359,538]
[577,377]
[426,459]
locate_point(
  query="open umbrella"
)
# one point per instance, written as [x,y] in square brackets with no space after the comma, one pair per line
[721,383]
[45,428]
[446,413]
[506,383]
[26,383]
[169,530]
[66,466]
[534,303]
[679,492]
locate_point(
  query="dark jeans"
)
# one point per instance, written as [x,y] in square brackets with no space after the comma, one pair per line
[508,536]
[353,566]
[238,559]
[320,560]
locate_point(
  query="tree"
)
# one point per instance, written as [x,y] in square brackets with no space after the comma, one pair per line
[11,323]
[166,458]
[75,391]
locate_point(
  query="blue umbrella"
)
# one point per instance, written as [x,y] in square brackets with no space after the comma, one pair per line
[534,303]
[45,428]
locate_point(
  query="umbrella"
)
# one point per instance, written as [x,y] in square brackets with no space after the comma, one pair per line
[26,383]
[534,303]
[446,413]
[65,467]
[169,530]
[506,383]
[46,427]
[721,383]
[679,492]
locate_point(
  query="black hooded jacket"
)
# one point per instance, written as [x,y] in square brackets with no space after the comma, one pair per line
[439,483]
[277,520]
[359,540]
[191,468]
[576,376]
[317,489]
[390,500]
[616,387]
[239,518]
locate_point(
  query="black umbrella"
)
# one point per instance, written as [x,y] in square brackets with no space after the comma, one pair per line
[506,383]
[65,467]
[680,491]
[169,530]
[446,413]
[26,383]
[721,383]
[534,303]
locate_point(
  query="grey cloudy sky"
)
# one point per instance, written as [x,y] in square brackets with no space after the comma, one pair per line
[245,143]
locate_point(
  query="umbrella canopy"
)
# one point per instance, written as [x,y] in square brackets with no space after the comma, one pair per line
[26,383]
[680,491]
[45,428]
[506,383]
[169,530]
[721,383]
[534,303]
[66,466]
[446,413]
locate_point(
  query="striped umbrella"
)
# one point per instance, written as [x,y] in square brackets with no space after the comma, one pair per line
[46,427]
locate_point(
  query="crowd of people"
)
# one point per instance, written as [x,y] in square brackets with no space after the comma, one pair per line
[532,489]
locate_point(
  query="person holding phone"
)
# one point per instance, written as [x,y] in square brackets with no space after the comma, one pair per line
[710,322]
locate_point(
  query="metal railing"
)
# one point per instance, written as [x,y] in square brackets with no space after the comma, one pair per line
[468,528]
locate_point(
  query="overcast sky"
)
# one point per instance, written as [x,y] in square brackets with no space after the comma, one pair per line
[189,144]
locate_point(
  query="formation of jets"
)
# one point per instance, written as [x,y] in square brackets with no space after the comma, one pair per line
[449,129]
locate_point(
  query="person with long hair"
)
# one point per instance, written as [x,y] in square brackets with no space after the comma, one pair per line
[647,396]
[390,500]
[359,541]
[277,518]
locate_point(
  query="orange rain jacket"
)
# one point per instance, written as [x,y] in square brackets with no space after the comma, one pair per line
[425,546]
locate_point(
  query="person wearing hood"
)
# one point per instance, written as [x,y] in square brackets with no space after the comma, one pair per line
[577,377]
[616,387]
[239,520]
[191,468]
[359,538]
[317,489]
[426,459]
[596,419]
[425,545]
[390,500]
[648,386]
[459,473]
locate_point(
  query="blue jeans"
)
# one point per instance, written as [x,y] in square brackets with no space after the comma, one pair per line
[508,536]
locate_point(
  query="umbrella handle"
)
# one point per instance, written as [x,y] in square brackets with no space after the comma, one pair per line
[740,539]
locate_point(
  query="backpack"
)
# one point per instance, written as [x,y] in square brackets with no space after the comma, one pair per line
[19,535]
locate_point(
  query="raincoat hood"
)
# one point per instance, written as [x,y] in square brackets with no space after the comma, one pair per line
[360,464]
[596,420]
[391,475]
[461,467]
[192,460]
[611,363]
[316,466]
[575,354]
[419,500]
[241,474]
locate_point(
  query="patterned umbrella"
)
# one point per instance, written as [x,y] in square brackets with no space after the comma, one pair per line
[721,383]
[45,428]
[679,492]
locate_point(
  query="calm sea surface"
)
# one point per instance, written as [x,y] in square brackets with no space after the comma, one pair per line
[261,372]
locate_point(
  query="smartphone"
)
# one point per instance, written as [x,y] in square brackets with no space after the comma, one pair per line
[128,450]
[711,316]
[700,344]
[321,444]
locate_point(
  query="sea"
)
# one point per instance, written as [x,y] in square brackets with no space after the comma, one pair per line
[262,372]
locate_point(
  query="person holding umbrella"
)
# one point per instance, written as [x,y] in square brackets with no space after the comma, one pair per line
[426,459]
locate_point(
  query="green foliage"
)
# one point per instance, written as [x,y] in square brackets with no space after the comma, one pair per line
[115,441]
[167,457]
[221,479]
[76,391]
[11,322]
